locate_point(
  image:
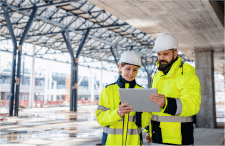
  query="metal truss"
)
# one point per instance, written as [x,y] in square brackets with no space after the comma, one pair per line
[53,17]
[90,33]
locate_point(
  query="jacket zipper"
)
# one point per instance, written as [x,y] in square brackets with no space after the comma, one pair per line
[127,121]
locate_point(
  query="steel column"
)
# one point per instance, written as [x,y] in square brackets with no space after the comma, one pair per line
[72,86]
[27,28]
[69,47]
[151,70]
[148,74]
[76,67]
[9,25]
[114,55]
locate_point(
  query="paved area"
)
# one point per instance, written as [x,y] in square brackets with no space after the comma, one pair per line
[51,126]
[58,126]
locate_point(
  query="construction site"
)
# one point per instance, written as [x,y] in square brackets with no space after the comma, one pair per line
[56,56]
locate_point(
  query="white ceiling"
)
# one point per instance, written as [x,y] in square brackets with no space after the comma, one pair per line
[194,23]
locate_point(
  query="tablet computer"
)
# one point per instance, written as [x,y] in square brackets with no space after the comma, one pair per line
[139,99]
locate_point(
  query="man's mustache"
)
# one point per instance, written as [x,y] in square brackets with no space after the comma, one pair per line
[163,61]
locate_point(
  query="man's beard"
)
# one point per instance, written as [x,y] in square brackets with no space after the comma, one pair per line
[165,67]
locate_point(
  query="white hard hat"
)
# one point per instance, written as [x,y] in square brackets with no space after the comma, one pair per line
[165,42]
[130,57]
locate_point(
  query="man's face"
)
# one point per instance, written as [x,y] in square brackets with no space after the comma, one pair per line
[166,57]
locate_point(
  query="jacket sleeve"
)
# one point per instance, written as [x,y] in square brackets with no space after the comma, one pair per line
[188,103]
[146,117]
[146,122]
[104,115]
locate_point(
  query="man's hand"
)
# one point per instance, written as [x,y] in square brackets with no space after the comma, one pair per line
[147,137]
[158,98]
[124,109]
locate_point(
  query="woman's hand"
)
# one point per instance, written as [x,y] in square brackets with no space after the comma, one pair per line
[124,109]
[147,137]
[158,98]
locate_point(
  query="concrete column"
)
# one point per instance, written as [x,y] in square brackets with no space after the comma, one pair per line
[46,83]
[92,89]
[89,83]
[204,66]
[46,87]
[54,88]
[0,67]
[50,84]
[31,97]
[101,87]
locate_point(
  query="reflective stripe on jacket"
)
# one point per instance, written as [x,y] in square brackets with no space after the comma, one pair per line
[117,130]
[181,87]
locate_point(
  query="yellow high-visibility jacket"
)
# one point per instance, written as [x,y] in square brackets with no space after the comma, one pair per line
[181,87]
[117,130]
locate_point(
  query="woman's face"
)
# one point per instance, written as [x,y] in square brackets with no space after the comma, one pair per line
[128,72]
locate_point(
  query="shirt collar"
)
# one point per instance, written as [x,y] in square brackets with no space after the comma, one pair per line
[121,82]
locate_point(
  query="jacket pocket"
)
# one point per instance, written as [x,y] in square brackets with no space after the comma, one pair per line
[171,132]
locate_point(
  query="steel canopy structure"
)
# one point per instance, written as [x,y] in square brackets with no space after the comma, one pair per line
[53,17]
[72,28]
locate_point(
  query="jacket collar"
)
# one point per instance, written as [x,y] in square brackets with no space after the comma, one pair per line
[121,82]
[175,65]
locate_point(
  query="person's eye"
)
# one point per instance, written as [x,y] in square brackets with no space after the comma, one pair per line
[128,69]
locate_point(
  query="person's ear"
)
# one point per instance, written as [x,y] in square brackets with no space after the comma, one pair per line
[120,67]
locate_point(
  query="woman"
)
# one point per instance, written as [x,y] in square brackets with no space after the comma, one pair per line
[121,125]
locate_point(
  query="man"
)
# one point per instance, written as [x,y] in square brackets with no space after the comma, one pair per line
[179,96]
